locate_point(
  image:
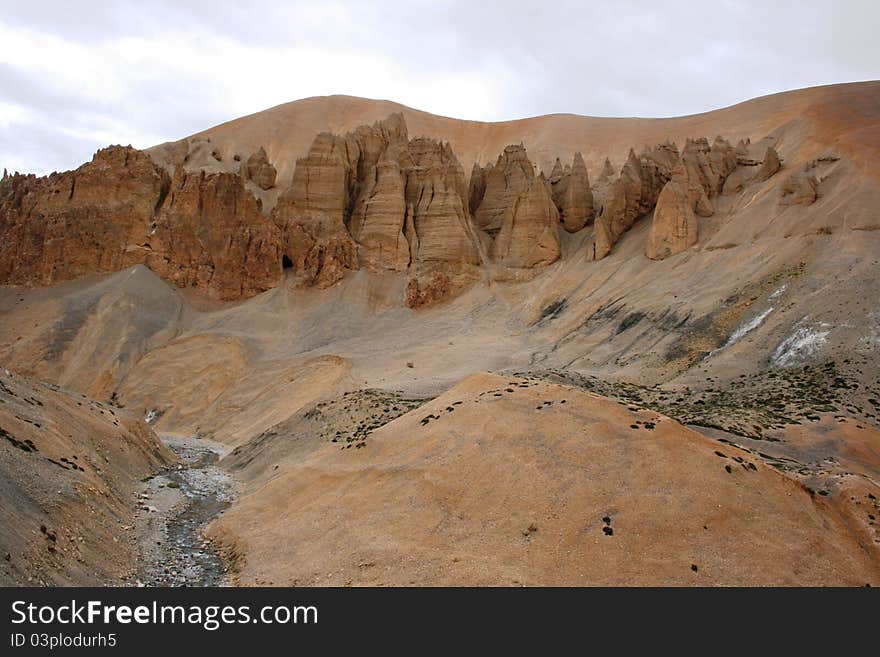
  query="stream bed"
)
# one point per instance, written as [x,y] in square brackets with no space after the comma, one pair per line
[174,508]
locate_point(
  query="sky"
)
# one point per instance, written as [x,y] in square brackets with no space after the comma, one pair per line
[77,76]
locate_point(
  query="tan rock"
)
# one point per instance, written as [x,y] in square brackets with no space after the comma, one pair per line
[572,194]
[427,292]
[477,186]
[529,234]
[510,177]
[622,206]
[311,214]
[769,166]
[259,170]
[674,227]
[377,223]
[437,193]
[799,189]
[696,180]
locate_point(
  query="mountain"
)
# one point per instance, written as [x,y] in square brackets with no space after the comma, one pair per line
[310,284]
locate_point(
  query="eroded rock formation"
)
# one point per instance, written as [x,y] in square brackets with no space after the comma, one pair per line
[572,193]
[372,198]
[259,170]
[696,180]
[211,235]
[376,199]
[436,196]
[632,195]
[197,230]
[93,219]
[510,177]
[799,189]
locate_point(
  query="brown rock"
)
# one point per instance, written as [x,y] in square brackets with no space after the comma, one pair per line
[94,219]
[311,214]
[674,227]
[696,180]
[428,291]
[769,166]
[799,189]
[621,208]
[259,170]
[377,223]
[436,193]
[477,186]
[375,198]
[210,234]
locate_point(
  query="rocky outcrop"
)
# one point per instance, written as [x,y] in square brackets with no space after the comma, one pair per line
[428,291]
[93,219]
[799,189]
[696,180]
[505,182]
[529,233]
[259,170]
[477,186]
[379,218]
[751,170]
[770,165]
[436,204]
[572,194]
[375,198]
[311,214]
[632,195]
[197,230]
[674,228]
[210,234]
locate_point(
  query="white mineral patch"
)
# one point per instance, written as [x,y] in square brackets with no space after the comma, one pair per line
[804,344]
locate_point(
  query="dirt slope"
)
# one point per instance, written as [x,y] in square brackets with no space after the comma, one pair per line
[847,114]
[69,467]
[507,481]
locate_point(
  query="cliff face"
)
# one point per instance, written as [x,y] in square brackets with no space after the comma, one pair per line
[120,209]
[66,225]
[210,235]
[376,199]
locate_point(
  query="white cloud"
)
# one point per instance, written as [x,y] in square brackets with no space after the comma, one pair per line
[74,78]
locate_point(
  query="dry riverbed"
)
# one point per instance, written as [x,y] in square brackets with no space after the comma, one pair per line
[173,509]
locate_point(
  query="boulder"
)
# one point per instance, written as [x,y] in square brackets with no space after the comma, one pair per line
[799,189]
[259,170]
[769,166]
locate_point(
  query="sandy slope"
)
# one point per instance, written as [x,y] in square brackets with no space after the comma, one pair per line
[846,114]
[506,481]
[69,467]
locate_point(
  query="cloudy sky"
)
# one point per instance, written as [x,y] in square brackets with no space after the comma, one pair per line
[76,76]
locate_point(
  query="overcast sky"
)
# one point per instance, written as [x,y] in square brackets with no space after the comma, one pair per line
[76,76]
